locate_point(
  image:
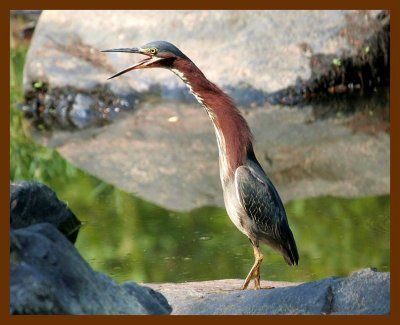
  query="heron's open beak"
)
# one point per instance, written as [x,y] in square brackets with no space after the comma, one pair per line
[145,63]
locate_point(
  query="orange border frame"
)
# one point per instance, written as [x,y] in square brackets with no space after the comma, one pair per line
[6,6]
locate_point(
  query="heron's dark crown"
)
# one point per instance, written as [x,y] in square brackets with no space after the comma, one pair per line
[163,46]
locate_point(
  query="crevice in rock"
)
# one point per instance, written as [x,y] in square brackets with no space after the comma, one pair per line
[329,301]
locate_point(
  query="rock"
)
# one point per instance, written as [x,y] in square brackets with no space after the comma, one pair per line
[32,203]
[48,276]
[183,295]
[364,292]
[65,48]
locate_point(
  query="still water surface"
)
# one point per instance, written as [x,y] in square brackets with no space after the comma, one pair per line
[131,239]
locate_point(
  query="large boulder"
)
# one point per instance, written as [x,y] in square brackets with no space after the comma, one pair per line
[270,50]
[48,276]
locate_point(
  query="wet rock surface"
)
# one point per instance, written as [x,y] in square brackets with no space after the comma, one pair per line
[32,203]
[363,292]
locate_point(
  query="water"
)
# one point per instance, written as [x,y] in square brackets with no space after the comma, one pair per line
[134,240]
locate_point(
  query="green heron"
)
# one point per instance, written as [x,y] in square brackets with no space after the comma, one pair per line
[251,200]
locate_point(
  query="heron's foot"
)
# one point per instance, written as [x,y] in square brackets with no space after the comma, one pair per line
[255,270]
[255,275]
[245,285]
[257,286]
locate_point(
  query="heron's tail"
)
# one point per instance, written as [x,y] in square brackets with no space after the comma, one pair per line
[289,250]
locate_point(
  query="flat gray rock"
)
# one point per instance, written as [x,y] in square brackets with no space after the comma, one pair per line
[364,292]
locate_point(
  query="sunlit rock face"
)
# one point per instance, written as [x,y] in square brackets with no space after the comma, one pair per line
[270,50]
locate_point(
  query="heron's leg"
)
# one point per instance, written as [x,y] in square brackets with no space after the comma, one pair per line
[255,270]
[257,276]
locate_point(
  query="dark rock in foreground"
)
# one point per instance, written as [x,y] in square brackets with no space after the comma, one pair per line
[48,276]
[32,203]
[363,292]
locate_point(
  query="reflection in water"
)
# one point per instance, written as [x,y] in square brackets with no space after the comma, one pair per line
[131,239]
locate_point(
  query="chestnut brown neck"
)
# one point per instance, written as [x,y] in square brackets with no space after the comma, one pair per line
[233,134]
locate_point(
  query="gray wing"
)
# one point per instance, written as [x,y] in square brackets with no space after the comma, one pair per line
[263,205]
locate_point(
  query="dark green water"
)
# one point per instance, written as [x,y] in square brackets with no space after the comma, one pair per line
[131,239]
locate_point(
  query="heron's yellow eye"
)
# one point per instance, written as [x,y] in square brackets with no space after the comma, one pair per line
[153,50]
